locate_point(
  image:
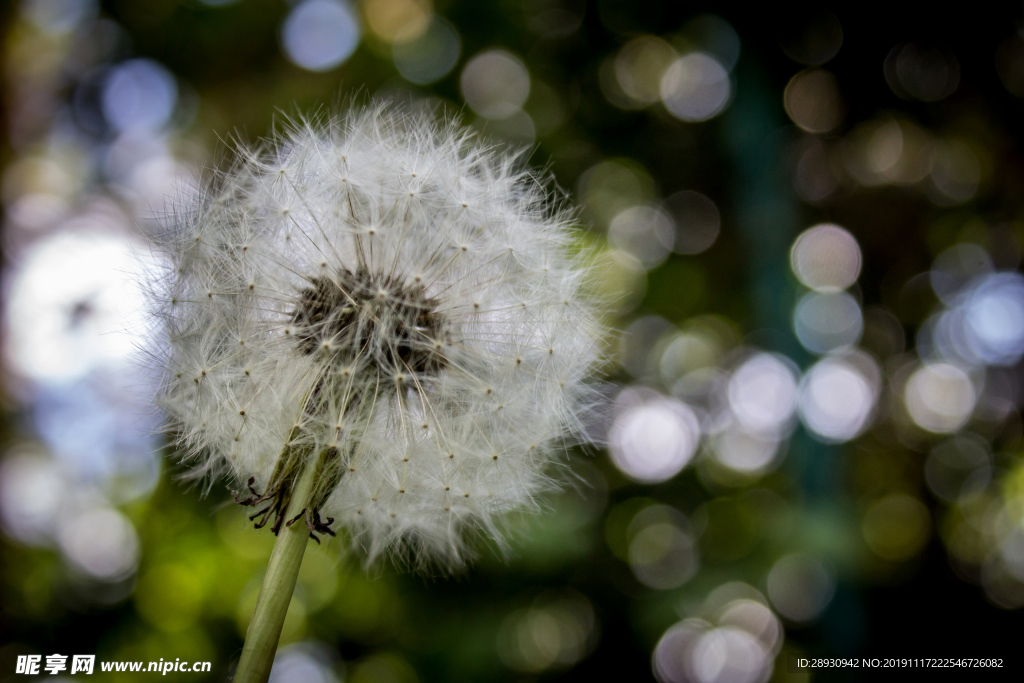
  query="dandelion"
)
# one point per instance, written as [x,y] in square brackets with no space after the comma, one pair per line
[375,322]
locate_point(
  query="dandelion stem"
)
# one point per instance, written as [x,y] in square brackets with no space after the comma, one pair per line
[276,592]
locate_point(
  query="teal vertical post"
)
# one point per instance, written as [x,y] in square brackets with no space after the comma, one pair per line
[769,218]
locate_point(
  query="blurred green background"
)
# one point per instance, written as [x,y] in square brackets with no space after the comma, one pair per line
[809,224]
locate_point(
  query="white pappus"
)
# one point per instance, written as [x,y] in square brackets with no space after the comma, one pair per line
[385,298]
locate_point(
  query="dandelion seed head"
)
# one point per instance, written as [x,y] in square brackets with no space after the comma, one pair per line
[373,295]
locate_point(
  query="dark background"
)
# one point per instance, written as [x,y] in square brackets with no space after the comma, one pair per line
[233,75]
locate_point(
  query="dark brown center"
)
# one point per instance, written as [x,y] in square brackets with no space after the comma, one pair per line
[365,319]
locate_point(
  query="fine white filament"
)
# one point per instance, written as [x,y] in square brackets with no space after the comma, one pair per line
[383,288]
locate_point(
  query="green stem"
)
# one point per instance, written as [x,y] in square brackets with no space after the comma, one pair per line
[278,584]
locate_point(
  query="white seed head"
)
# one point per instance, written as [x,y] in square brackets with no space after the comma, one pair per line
[384,298]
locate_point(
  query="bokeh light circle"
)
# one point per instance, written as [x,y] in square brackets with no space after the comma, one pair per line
[954,269]
[754,617]
[32,490]
[813,102]
[826,258]
[696,87]
[318,35]
[139,94]
[896,527]
[800,587]
[647,232]
[662,551]
[827,321]
[955,173]
[994,319]
[836,399]
[669,662]
[431,56]
[940,397]
[398,21]
[653,441]
[308,662]
[763,393]
[640,65]
[72,303]
[495,84]
[959,466]
[554,633]
[698,221]
[101,542]
[743,452]
[728,654]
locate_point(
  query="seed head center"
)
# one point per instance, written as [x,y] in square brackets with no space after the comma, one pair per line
[370,320]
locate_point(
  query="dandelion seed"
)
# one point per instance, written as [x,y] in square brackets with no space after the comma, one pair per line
[386,306]
[388,313]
